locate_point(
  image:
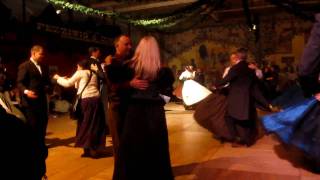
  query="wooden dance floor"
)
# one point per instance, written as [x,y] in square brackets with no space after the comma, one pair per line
[195,154]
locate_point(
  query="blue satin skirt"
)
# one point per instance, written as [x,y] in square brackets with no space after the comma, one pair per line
[298,125]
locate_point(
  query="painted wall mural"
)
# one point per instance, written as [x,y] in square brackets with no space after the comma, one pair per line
[281,41]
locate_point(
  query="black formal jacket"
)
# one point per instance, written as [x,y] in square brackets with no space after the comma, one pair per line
[102,77]
[239,100]
[119,75]
[30,78]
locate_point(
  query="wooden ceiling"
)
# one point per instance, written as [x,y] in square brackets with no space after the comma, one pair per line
[229,8]
[167,6]
[142,7]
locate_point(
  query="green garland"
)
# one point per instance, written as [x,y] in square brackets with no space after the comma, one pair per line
[162,23]
[153,23]
[149,22]
[81,8]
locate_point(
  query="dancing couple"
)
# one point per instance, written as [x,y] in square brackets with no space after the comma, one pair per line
[230,112]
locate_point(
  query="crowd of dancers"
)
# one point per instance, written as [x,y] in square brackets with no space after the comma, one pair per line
[232,115]
[122,96]
[125,96]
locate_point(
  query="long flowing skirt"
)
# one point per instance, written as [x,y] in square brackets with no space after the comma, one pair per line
[193,92]
[210,114]
[178,91]
[144,146]
[91,127]
[298,125]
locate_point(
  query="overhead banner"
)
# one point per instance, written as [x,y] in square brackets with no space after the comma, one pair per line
[74,34]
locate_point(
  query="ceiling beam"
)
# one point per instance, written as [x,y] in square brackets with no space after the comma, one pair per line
[105,5]
[163,4]
[261,7]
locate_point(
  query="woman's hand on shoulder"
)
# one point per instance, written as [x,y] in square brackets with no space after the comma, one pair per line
[139,84]
[56,76]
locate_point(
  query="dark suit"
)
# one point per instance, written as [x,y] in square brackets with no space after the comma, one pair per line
[36,110]
[119,76]
[241,112]
[241,79]
[309,66]
[102,77]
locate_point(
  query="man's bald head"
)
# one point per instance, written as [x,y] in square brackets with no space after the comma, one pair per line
[123,45]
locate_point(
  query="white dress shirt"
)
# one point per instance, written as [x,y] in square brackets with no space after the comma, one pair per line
[226,71]
[36,64]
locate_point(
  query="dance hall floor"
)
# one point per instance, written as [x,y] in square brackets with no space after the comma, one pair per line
[195,155]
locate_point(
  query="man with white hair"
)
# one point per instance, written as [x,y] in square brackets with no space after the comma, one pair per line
[241,112]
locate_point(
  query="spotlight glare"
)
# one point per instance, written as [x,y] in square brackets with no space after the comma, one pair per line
[254,27]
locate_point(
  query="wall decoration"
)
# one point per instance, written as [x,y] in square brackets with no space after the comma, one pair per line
[74,34]
[275,44]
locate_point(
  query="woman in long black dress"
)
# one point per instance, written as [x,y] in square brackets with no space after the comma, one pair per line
[144,146]
[210,114]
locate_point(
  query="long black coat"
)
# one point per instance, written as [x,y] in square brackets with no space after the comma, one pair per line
[239,100]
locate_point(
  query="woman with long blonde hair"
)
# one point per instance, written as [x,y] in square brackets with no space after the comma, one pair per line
[146,61]
[144,146]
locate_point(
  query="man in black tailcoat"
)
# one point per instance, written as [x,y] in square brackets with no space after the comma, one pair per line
[33,82]
[241,112]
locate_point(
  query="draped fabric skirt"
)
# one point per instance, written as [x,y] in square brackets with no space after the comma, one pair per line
[298,125]
[91,127]
[210,114]
[144,147]
[193,92]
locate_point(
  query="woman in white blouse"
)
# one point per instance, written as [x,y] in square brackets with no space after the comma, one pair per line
[90,133]
[189,73]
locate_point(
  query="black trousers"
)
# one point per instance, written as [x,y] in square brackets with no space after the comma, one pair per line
[37,120]
[243,131]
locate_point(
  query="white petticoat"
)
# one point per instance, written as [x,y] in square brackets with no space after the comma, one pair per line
[193,92]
